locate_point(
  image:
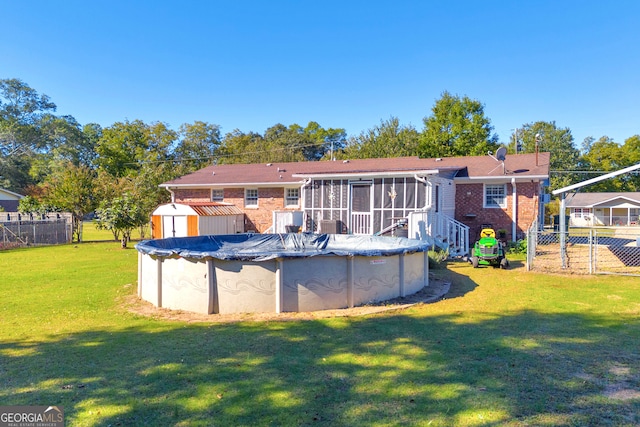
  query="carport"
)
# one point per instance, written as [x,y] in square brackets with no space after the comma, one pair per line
[563,204]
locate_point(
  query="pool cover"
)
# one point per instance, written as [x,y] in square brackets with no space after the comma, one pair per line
[262,247]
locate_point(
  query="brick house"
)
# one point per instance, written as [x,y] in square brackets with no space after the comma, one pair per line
[447,198]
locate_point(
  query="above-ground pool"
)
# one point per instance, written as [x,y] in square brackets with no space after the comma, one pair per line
[244,273]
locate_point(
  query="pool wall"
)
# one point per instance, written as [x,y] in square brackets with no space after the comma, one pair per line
[283,284]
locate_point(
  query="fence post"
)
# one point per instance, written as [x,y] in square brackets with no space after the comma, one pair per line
[529,248]
[591,251]
[595,251]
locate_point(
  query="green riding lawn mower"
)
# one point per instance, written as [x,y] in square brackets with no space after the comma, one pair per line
[489,250]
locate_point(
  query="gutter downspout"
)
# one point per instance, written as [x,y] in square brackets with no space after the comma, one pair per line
[514,208]
[173,195]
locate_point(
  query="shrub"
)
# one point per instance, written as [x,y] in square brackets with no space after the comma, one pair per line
[437,258]
[518,247]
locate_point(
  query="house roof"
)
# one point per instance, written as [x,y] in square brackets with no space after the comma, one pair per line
[586,200]
[9,195]
[522,166]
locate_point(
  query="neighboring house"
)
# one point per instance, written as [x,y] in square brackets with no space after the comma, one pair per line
[444,198]
[603,209]
[9,200]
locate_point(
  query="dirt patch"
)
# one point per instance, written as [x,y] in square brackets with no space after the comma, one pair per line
[436,290]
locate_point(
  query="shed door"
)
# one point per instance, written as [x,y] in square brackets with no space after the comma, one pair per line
[174,226]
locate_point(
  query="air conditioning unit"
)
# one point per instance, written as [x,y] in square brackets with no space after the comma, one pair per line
[331,226]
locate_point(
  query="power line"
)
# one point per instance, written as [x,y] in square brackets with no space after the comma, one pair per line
[583,172]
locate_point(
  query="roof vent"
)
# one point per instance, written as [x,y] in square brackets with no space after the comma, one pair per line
[213,173]
[439,159]
[269,164]
[345,161]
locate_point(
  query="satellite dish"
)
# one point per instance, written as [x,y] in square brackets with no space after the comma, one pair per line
[501,154]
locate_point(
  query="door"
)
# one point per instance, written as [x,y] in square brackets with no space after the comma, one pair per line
[361,208]
[174,226]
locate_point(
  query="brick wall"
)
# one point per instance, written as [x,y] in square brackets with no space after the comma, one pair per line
[257,219]
[191,195]
[469,210]
[469,198]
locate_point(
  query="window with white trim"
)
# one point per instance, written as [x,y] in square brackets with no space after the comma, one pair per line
[217,195]
[582,212]
[251,198]
[291,197]
[495,196]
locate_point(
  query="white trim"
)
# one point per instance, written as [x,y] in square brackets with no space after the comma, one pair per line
[257,198]
[286,198]
[274,184]
[502,178]
[216,199]
[484,197]
[350,175]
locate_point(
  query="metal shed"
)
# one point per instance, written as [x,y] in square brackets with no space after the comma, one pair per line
[196,219]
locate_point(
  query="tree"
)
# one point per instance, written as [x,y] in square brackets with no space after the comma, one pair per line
[198,145]
[135,158]
[631,153]
[33,140]
[320,141]
[603,155]
[66,142]
[21,114]
[29,205]
[71,188]
[389,139]
[121,215]
[281,144]
[457,127]
[240,147]
[547,136]
[125,146]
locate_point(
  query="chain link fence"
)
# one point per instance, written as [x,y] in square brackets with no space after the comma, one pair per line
[613,250]
[25,230]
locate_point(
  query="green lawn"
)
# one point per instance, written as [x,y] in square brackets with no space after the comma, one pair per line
[90,233]
[505,348]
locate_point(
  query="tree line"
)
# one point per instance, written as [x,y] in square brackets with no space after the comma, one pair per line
[115,171]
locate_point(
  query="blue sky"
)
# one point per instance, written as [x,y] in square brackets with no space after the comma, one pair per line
[251,64]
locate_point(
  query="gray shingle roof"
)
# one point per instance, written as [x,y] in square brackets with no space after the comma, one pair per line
[585,200]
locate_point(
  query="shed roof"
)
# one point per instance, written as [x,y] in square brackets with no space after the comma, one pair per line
[198,208]
[282,174]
